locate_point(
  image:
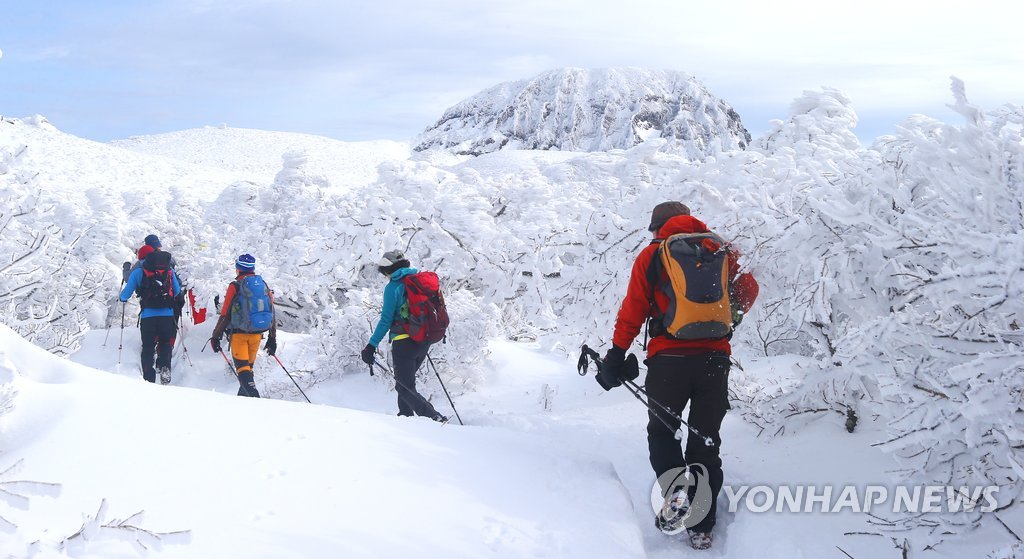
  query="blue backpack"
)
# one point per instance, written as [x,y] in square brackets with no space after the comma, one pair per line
[252,310]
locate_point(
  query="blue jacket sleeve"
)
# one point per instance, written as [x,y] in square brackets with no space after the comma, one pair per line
[131,285]
[387,315]
[176,284]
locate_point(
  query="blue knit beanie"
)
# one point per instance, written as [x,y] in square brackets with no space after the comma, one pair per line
[246,263]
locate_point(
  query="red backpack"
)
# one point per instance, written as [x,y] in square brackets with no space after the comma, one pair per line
[156,287]
[428,317]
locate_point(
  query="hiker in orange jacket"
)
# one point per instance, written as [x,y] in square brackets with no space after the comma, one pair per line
[679,372]
[248,310]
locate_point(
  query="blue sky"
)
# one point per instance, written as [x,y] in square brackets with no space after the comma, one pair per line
[386,69]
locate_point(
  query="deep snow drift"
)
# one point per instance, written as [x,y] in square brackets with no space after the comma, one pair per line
[265,478]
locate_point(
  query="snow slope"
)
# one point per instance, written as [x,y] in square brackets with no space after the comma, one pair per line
[73,166]
[256,154]
[550,465]
[265,478]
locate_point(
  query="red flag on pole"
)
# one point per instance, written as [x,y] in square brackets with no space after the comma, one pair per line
[198,316]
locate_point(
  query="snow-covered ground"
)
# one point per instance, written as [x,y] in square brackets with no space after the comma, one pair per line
[268,478]
[548,464]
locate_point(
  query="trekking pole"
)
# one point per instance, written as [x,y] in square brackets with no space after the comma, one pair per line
[293,378]
[640,393]
[124,278]
[120,344]
[438,375]
[228,361]
[184,348]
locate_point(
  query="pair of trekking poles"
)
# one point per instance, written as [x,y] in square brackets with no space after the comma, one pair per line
[656,408]
[411,391]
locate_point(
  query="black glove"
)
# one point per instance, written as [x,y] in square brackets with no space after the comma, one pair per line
[609,374]
[631,368]
[215,344]
[367,354]
[271,345]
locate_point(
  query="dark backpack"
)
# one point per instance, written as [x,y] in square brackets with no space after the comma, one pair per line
[428,316]
[156,288]
[252,309]
[692,271]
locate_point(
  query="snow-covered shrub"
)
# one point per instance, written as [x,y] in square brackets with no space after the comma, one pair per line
[952,338]
[917,308]
[50,283]
[318,252]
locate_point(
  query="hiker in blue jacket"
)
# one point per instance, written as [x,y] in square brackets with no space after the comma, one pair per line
[407,353]
[157,286]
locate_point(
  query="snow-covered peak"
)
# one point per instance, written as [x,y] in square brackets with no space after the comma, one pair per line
[575,109]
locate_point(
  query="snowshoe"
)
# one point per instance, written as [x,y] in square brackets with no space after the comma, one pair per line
[165,375]
[701,540]
[670,519]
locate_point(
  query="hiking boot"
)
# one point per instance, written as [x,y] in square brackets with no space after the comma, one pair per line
[670,519]
[701,540]
[440,418]
[165,375]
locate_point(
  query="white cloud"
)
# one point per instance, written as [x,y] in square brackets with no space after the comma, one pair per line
[287,56]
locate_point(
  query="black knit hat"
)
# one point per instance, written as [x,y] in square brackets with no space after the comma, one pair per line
[665,211]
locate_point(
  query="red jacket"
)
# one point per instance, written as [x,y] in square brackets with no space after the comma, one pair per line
[636,306]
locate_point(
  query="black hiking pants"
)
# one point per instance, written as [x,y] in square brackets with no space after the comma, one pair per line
[158,333]
[703,382]
[409,356]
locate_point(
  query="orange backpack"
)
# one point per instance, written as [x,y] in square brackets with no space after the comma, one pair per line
[696,266]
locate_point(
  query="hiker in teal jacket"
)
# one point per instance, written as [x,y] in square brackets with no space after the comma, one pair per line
[408,354]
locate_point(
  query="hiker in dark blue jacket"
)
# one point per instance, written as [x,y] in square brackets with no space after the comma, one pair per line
[408,354]
[157,286]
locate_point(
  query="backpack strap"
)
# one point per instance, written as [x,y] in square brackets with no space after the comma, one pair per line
[653,277]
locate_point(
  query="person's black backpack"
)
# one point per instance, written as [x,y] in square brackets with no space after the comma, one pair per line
[156,288]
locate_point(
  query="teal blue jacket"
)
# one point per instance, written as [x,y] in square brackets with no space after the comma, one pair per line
[394,300]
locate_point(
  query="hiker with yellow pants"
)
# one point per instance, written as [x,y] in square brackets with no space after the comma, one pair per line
[248,311]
